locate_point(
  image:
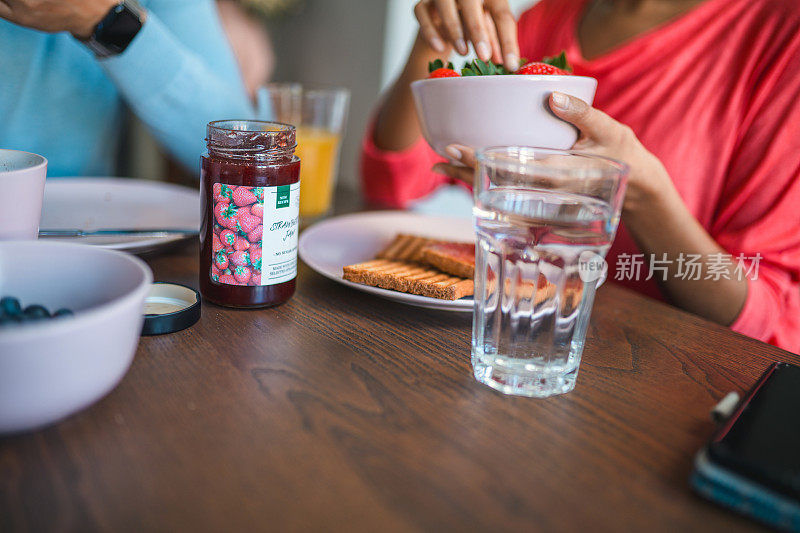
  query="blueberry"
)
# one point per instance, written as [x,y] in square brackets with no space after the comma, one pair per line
[36,312]
[63,312]
[10,306]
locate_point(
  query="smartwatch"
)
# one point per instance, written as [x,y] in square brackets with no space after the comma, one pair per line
[114,33]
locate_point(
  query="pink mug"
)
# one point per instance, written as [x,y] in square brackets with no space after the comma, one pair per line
[22,176]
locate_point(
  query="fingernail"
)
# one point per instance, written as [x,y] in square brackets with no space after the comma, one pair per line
[453,152]
[512,62]
[461,47]
[561,101]
[437,44]
[483,50]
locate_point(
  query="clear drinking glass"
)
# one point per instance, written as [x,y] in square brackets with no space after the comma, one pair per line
[544,221]
[319,115]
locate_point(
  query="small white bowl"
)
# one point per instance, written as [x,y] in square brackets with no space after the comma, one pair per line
[50,369]
[484,111]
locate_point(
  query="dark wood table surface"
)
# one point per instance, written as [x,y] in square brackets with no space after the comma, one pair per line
[343,411]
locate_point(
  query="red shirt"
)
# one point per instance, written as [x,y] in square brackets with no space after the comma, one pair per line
[715,95]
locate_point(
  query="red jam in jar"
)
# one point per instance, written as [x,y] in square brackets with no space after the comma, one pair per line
[250,201]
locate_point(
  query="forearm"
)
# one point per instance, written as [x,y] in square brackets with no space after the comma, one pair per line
[176,86]
[396,125]
[666,226]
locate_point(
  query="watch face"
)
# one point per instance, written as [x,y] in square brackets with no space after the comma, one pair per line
[116,31]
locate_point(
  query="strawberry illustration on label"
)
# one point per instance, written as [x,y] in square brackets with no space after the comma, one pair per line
[242,275]
[227,237]
[240,258]
[226,216]
[216,244]
[221,260]
[243,196]
[228,279]
[248,221]
[257,210]
[240,243]
[255,257]
[255,236]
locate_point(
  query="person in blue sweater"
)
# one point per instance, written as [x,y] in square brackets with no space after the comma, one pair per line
[67,67]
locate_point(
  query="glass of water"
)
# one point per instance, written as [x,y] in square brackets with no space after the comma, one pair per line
[544,221]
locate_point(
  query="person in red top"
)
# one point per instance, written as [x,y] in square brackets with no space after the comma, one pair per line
[700,98]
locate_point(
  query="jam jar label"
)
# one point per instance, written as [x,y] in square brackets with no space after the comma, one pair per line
[255,234]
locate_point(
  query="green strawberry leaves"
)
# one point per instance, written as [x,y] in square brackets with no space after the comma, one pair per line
[437,64]
[559,61]
[488,68]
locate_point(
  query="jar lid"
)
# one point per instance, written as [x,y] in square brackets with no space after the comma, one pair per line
[170,307]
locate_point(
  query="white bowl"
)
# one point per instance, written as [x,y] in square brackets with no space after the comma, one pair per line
[484,111]
[51,369]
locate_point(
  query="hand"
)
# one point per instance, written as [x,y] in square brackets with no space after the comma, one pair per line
[78,17]
[488,24]
[648,180]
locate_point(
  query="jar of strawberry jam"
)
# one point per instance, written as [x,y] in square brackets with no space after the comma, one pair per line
[250,201]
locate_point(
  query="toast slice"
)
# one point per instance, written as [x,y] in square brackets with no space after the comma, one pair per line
[406,247]
[456,258]
[410,277]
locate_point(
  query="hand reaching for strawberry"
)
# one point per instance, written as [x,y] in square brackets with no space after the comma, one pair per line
[488,24]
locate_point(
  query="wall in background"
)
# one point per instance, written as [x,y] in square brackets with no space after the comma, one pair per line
[340,43]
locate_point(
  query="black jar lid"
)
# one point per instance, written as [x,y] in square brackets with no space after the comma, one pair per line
[170,307]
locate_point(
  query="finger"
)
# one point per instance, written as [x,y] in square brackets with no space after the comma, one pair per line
[5,10]
[497,52]
[467,175]
[427,26]
[452,22]
[463,154]
[506,31]
[593,123]
[472,15]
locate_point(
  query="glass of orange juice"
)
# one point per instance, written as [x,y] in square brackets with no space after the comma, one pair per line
[319,113]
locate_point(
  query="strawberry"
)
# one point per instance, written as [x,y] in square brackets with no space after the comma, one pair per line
[537,67]
[227,279]
[242,275]
[257,209]
[228,250]
[222,193]
[255,277]
[443,73]
[226,216]
[227,237]
[255,236]
[243,196]
[548,66]
[240,258]
[240,243]
[216,244]
[215,270]
[248,221]
[221,260]
[255,257]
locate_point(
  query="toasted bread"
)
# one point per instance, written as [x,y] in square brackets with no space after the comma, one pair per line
[410,277]
[456,258]
[405,248]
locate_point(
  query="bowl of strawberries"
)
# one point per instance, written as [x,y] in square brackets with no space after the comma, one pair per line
[486,105]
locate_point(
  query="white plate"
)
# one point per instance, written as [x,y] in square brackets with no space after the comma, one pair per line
[105,203]
[329,245]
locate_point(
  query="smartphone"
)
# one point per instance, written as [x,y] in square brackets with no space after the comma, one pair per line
[752,463]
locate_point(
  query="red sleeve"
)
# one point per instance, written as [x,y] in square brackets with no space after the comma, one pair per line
[394,179]
[759,211]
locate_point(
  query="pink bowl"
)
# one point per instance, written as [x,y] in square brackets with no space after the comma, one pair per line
[22,177]
[484,111]
[53,368]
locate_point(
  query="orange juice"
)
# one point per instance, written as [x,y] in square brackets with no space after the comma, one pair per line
[318,151]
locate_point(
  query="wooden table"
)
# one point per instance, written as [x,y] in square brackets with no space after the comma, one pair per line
[343,411]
